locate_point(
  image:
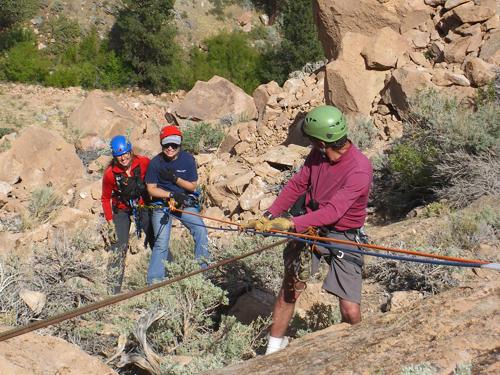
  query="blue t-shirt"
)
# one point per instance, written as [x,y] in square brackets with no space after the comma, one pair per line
[184,167]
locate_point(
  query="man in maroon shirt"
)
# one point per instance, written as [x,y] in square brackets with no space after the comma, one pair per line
[336,178]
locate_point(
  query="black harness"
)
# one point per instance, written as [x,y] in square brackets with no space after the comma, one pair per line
[130,189]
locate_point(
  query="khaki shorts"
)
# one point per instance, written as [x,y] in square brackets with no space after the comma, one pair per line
[344,277]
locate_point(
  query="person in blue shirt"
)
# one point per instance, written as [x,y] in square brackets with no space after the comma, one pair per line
[172,174]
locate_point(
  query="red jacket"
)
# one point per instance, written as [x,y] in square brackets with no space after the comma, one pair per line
[110,189]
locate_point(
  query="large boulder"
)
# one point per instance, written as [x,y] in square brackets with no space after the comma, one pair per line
[335,18]
[101,115]
[479,72]
[216,99]
[349,85]
[384,50]
[34,354]
[39,157]
[490,50]
[404,83]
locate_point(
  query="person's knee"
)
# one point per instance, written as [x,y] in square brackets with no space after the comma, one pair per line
[350,311]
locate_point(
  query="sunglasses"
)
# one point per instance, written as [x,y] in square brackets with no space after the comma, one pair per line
[173,146]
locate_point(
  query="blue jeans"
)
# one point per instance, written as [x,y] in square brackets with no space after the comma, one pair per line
[162,226]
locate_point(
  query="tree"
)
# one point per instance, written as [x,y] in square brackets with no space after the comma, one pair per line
[143,36]
[300,43]
[14,11]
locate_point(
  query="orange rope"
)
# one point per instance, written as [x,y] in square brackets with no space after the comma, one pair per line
[344,242]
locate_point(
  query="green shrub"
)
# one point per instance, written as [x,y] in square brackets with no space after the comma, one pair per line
[44,201]
[299,46]
[200,137]
[362,132]
[143,36]
[228,55]
[24,63]
[419,369]
[446,152]
[10,37]
[16,11]
[5,131]
[64,31]
[320,316]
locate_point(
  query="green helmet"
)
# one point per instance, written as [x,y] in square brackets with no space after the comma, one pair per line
[326,123]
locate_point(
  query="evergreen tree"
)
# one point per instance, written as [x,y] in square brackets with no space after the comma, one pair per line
[143,36]
[14,11]
[300,43]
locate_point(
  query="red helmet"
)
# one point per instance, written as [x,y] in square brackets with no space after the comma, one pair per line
[171,131]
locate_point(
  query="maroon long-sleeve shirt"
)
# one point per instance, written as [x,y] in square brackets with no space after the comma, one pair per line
[341,188]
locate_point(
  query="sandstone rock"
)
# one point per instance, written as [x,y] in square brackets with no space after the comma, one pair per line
[70,218]
[230,140]
[403,299]
[442,77]
[404,83]
[475,43]
[99,164]
[214,99]
[203,159]
[91,142]
[57,163]
[261,95]
[282,156]
[418,38]
[450,4]
[419,59]
[239,182]
[479,72]
[267,172]
[455,51]
[34,354]
[241,148]
[474,14]
[253,304]
[341,90]
[492,23]
[413,19]
[434,3]
[468,30]
[490,50]
[383,51]
[5,188]
[101,115]
[252,195]
[35,300]
[247,131]
[266,202]
[335,18]
[436,48]
[292,85]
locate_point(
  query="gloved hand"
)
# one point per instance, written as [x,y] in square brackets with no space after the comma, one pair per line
[179,198]
[256,224]
[110,232]
[280,223]
[168,175]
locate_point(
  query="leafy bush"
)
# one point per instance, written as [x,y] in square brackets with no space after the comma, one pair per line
[16,11]
[362,132]
[5,131]
[320,316]
[228,55]
[200,137]
[24,63]
[10,37]
[299,46]
[419,369]
[447,152]
[64,31]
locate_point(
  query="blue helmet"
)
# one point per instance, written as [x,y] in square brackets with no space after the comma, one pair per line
[119,145]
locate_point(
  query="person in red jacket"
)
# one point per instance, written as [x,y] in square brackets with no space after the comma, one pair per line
[123,189]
